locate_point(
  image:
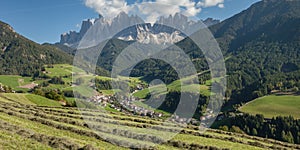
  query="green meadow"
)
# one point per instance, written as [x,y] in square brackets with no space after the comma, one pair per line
[273,105]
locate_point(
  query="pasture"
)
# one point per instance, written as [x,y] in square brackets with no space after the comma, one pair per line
[15,82]
[274,105]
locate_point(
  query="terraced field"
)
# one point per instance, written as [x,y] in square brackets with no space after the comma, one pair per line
[29,99]
[27,126]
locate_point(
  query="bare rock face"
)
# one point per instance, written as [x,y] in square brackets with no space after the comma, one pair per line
[106,26]
[158,33]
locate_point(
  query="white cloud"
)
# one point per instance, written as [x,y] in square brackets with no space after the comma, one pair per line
[210,3]
[221,6]
[151,10]
[108,8]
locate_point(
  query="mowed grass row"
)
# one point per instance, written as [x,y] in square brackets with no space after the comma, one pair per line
[102,127]
[134,123]
[68,126]
[143,125]
[55,142]
[29,99]
[80,131]
[112,115]
[273,106]
[111,128]
[147,125]
[212,141]
[246,139]
[109,124]
[12,141]
[86,131]
[52,131]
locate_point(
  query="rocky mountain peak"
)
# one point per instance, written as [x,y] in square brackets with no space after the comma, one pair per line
[158,33]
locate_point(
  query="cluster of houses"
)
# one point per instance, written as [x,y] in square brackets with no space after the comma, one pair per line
[128,103]
[101,100]
[124,103]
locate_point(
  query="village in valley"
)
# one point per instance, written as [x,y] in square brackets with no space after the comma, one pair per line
[127,104]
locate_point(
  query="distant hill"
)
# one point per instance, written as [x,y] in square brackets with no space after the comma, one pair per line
[21,56]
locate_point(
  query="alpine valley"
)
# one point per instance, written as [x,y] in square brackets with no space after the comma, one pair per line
[40,87]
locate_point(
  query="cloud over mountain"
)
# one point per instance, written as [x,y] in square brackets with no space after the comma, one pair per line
[151,10]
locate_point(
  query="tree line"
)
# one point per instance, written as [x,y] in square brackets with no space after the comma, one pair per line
[280,128]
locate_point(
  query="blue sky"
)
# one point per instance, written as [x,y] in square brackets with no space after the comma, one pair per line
[44,20]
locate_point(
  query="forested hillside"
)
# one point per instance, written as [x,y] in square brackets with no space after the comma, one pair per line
[20,56]
[264,44]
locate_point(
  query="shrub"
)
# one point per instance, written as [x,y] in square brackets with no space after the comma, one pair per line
[236,129]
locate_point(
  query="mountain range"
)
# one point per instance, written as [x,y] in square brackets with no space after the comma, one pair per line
[158,33]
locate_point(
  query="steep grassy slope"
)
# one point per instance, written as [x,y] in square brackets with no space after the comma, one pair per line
[63,128]
[30,99]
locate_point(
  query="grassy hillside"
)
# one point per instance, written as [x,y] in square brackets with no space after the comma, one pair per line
[29,99]
[273,106]
[63,128]
[59,70]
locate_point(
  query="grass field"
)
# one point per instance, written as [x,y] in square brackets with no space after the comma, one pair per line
[175,86]
[34,127]
[15,81]
[273,105]
[59,70]
[29,99]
